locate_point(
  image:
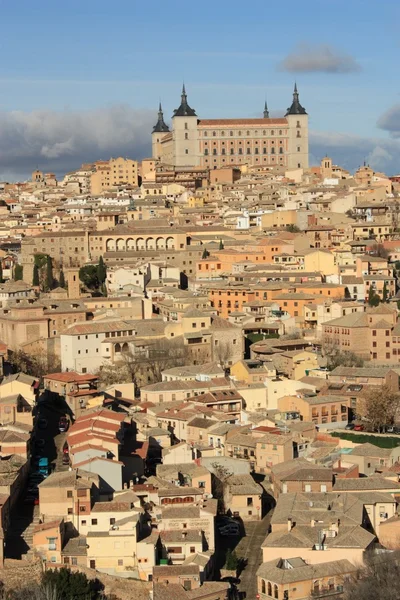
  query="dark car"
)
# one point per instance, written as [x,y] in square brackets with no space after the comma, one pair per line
[65,459]
[65,448]
[63,424]
[350,426]
[42,424]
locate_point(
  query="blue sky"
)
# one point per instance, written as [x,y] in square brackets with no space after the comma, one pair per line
[86,77]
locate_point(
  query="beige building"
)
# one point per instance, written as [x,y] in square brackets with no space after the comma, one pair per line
[113,173]
[211,143]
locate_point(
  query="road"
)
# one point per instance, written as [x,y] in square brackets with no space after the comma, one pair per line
[249,549]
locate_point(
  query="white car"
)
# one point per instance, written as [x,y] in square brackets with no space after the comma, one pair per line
[231,529]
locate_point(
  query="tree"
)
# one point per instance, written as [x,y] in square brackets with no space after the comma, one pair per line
[62,279]
[36,365]
[292,228]
[231,560]
[221,244]
[49,279]
[101,271]
[385,293]
[337,358]
[219,476]
[1,273]
[205,254]
[347,294]
[373,298]
[18,272]
[223,353]
[397,265]
[35,277]
[379,406]
[376,580]
[379,250]
[70,585]
[88,276]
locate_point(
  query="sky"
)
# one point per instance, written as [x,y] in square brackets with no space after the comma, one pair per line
[81,80]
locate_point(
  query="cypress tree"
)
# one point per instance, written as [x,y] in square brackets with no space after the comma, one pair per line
[221,245]
[62,279]
[18,272]
[49,281]
[385,293]
[35,278]
[101,271]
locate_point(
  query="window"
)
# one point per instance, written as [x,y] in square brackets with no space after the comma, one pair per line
[112,521]
[69,493]
[94,521]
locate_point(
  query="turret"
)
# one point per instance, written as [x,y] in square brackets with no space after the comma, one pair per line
[266,111]
[297,119]
[160,129]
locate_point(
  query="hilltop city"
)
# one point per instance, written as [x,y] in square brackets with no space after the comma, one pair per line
[200,362]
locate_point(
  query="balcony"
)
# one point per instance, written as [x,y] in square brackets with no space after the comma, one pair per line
[325,592]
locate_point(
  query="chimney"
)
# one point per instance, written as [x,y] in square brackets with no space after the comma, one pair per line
[289,524]
[312,523]
[184,535]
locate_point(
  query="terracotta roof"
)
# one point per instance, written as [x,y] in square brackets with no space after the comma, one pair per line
[249,122]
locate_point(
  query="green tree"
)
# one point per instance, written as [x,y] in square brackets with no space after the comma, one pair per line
[18,272]
[88,276]
[397,265]
[385,293]
[205,254]
[231,561]
[62,279]
[35,278]
[347,294]
[1,273]
[373,298]
[293,228]
[70,585]
[221,244]
[101,271]
[49,279]
[398,304]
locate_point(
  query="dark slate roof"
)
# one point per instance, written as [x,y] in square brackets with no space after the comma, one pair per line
[296,108]
[160,126]
[184,109]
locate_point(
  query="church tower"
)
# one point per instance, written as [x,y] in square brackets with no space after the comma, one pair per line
[159,130]
[185,134]
[297,118]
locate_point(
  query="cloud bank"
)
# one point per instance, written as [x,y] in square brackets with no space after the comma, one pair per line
[61,141]
[320,58]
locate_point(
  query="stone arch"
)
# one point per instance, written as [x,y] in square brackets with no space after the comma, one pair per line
[170,243]
[110,245]
[140,244]
[125,347]
[130,244]
[263,586]
[160,243]
[120,245]
[117,348]
[150,244]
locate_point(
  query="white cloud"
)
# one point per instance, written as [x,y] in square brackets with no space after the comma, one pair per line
[390,121]
[61,141]
[350,151]
[318,58]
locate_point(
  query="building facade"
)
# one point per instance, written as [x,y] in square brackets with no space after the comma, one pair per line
[217,143]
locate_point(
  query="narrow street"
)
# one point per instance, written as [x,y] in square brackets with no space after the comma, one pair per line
[249,549]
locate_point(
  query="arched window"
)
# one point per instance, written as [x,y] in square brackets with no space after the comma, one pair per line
[263,586]
[269,589]
[206,152]
[276,591]
[264,132]
[280,150]
[247,132]
[231,133]
[222,132]
[205,134]
[214,133]
[280,132]
[232,151]
[272,132]
[214,151]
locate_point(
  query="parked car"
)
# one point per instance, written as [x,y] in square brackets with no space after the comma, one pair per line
[63,424]
[40,443]
[350,426]
[65,459]
[358,427]
[65,448]
[42,424]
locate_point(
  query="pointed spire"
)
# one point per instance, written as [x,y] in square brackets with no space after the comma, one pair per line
[266,111]
[160,126]
[296,108]
[184,109]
